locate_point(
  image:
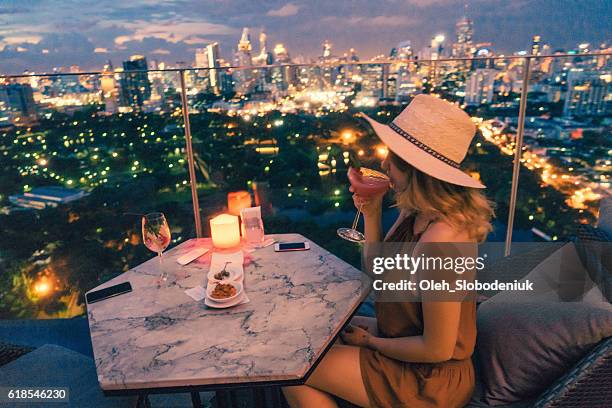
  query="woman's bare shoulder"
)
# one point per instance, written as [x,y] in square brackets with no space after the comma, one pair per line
[442,231]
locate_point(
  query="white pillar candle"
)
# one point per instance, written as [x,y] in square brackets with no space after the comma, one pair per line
[224,231]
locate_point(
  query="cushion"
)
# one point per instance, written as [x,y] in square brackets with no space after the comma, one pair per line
[56,366]
[604,220]
[10,352]
[595,252]
[527,340]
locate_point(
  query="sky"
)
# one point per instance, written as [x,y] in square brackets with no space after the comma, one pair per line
[40,35]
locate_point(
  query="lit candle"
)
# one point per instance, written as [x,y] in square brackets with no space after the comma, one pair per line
[224,231]
[238,200]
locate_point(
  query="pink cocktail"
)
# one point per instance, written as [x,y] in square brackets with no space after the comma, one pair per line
[366,183]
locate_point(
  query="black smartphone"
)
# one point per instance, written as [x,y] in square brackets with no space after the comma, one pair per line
[109,292]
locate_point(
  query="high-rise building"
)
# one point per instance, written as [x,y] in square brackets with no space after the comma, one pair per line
[535,45]
[108,87]
[135,86]
[282,77]
[479,87]
[588,94]
[264,57]
[437,46]
[404,50]
[17,103]
[483,50]
[463,48]
[327,49]
[201,58]
[244,77]
[213,56]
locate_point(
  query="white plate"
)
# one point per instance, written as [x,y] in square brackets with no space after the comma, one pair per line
[211,287]
[211,303]
[235,275]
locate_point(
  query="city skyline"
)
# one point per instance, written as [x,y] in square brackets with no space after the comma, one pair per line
[171,31]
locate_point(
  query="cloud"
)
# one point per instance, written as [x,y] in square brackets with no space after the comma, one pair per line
[101,50]
[429,3]
[193,40]
[376,21]
[287,10]
[171,31]
[160,51]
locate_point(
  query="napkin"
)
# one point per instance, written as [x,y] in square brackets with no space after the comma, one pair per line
[252,248]
[196,293]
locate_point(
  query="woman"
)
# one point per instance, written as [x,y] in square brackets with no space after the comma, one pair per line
[412,354]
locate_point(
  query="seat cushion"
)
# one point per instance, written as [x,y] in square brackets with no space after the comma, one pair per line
[594,248]
[604,219]
[527,340]
[56,366]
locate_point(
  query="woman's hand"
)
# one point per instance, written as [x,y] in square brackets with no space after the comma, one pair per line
[356,336]
[370,206]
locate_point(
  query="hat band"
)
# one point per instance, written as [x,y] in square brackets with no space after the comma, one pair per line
[422,145]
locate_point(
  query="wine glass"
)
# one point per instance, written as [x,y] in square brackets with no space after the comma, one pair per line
[366,183]
[156,237]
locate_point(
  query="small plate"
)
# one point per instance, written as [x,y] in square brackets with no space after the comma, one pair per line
[211,303]
[234,276]
[211,287]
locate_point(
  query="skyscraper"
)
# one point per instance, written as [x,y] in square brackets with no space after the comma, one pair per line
[135,86]
[463,48]
[201,58]
[213,56]
[587,94]
[327,49]
[244,77]
[264,57]
[535,45]
[109,90]
[17,101]
[282,77]
[480,86]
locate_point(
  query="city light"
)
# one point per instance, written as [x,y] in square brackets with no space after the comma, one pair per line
[68,131]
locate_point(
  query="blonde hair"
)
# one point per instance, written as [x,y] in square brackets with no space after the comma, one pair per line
[462,207]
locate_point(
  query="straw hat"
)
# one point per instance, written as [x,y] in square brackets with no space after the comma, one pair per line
[433,135]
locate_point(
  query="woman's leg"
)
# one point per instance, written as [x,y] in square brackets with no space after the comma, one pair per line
[300,396]
[339,373]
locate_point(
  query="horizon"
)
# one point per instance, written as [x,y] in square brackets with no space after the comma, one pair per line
[39,37]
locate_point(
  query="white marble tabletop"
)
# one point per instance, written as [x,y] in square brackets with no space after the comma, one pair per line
[160,337]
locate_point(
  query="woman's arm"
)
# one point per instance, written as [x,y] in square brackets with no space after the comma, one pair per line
[441,327]
[369,323]
[373,227]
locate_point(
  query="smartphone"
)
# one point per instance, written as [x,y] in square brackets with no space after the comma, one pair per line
[109,292]
[292,246]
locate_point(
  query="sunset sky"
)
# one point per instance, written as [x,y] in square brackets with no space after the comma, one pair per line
[38,35]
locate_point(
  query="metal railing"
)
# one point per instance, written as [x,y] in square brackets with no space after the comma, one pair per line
[385,63]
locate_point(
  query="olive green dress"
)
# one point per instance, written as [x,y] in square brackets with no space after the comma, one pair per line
[392,383]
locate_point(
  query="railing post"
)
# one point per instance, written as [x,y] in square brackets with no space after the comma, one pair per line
[434,79]
[189,154]
[385,81]
[518,145]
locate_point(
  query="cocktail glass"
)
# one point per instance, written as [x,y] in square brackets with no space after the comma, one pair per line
[366,183]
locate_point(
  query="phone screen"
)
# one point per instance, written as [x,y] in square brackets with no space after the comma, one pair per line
[109,292]
[291,246]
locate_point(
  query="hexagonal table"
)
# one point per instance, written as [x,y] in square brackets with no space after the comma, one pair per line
[157,340]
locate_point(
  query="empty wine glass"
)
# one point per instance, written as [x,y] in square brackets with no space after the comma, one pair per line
[156,237]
